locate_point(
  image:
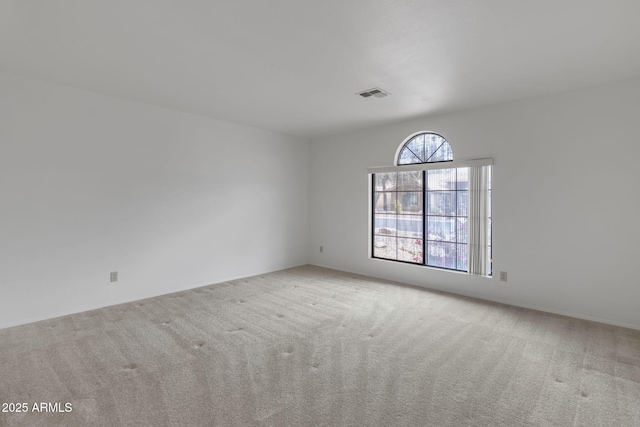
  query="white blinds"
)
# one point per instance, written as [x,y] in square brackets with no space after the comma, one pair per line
[478,220]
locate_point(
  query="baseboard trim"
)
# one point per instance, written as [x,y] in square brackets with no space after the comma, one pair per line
[496,300]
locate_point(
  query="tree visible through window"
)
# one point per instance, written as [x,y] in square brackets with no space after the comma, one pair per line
[422,216]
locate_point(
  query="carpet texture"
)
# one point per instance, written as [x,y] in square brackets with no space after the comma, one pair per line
[315,347]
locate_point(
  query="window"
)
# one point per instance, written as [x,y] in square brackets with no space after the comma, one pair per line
[431,211]
[425,148]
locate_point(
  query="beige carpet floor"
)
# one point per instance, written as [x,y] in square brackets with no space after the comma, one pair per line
[316,347]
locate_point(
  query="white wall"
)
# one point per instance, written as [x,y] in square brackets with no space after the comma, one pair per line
[565,203]
[91,184]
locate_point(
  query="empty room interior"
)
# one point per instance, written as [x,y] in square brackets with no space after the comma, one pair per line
[319,213]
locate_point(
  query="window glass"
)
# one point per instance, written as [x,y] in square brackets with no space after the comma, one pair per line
[425,148]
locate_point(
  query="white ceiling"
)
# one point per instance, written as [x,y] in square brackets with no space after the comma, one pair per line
[294,66]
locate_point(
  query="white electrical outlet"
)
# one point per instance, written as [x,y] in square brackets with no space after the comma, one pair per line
[321,249]
[113,276]
[503,276]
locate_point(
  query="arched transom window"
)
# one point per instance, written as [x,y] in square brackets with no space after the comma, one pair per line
[425,147]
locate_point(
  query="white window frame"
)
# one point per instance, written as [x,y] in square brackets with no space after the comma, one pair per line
[474,163]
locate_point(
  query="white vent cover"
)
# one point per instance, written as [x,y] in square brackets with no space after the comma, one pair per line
[376,91]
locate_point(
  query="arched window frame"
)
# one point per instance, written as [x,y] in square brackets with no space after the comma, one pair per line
[410,138]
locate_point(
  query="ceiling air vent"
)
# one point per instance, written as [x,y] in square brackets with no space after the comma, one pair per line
[376,91]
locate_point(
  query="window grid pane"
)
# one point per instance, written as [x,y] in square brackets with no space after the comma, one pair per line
[447,199]
[398,216]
